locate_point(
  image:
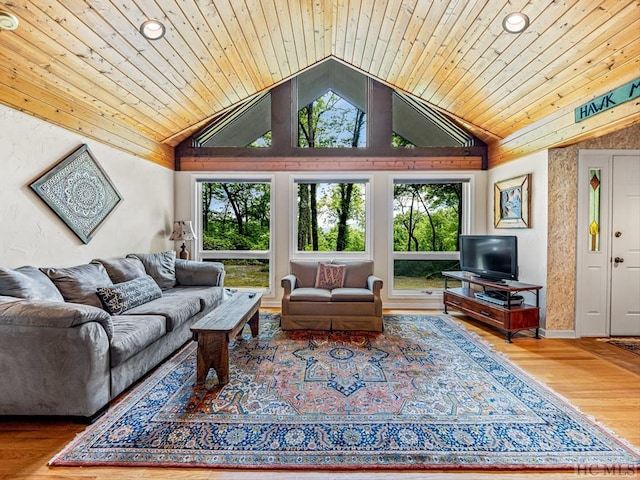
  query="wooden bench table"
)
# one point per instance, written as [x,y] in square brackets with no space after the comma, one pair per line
[215,330]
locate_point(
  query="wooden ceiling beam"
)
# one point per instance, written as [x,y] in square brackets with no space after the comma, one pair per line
[311,163]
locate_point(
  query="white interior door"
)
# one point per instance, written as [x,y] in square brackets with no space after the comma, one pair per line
[625,246]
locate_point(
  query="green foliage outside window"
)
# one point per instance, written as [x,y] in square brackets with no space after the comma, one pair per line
[331,121]
[331,217]
[235,216]
[426,218]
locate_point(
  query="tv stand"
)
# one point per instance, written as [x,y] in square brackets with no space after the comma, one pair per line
[509,318]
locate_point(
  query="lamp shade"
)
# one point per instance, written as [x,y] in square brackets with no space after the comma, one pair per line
[182,230]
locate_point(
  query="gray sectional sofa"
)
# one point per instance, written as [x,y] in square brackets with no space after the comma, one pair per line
[72,339]
[335,295]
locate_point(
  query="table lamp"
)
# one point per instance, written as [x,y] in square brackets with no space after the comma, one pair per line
[183,231]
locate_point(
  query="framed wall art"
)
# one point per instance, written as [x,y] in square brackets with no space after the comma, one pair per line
[512,202]
[79,191]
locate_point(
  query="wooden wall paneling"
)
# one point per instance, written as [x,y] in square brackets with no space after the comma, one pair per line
[107,68]
[423,37]
[19,76]
[570,88]
[339,28]
[222,49]
[401,30]
[311,35]
[215,82]
[353,23]
[383,37]
[472,44]
[299,33]
[289,41]
[498,63]
[486,54]
[242,50]
[559,130]
[367,49]
[260,51]
[168,77]
[272,26]
[522,82]
[79,79]
[85,122]
[439,46]
[362,33]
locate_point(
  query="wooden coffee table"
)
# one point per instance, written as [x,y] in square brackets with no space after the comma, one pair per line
[215,330]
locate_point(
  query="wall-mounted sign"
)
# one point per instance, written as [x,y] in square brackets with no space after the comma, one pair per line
[609,100]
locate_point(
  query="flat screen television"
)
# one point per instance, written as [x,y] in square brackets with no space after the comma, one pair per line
[494,257]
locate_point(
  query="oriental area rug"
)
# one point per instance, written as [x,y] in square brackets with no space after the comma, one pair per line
[423,394]
[630,344]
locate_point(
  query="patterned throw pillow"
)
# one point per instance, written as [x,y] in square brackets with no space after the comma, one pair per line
[123,296]
[330,276]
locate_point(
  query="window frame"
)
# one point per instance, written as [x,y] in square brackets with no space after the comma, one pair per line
[341,177]
[466,204]
[197,209]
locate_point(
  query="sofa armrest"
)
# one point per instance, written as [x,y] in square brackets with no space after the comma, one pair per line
[190,273]
[374,284]
[39,313]
[288,282]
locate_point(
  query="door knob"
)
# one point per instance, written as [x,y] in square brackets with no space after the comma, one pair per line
[618,260]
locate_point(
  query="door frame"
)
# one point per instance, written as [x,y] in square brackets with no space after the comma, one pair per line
[593,269]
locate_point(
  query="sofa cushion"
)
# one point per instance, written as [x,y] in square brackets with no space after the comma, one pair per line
[124,296]
[329,276]
[356,273]
[79,284]
[122,269]
[29,283]
[132,334]
[161,266]
[305,272]
[209,297]
[352,295]
[43,313]
[190,273]
[176,310]
[310,295]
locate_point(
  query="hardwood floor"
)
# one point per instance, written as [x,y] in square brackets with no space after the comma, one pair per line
[602,380]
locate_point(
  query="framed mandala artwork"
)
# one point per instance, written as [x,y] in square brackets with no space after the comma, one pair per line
[79,191]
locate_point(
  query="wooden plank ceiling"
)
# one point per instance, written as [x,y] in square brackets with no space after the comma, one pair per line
[82,64]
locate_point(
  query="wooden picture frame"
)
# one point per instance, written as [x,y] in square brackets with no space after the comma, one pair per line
[79,191]
[512,202]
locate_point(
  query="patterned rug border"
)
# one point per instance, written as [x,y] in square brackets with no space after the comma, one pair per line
[628,344]
[119,407]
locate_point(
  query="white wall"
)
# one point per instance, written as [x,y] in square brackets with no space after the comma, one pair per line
[32,234]
[532,242]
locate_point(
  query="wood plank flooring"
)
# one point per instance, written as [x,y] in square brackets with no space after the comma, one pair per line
[602,380]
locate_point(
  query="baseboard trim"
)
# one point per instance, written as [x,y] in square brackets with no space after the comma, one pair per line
[557,333]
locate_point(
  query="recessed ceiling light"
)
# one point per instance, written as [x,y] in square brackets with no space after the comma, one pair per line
[152,29]
[515,22]
[8,21]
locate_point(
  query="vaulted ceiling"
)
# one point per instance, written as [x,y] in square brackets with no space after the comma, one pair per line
[83,64]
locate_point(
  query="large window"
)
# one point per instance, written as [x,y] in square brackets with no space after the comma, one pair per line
[331,215]
[235,229]
[427,222]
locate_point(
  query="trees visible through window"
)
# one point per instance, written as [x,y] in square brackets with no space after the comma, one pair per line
[236,220]
[331,216]
[427,222]
[331,121]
